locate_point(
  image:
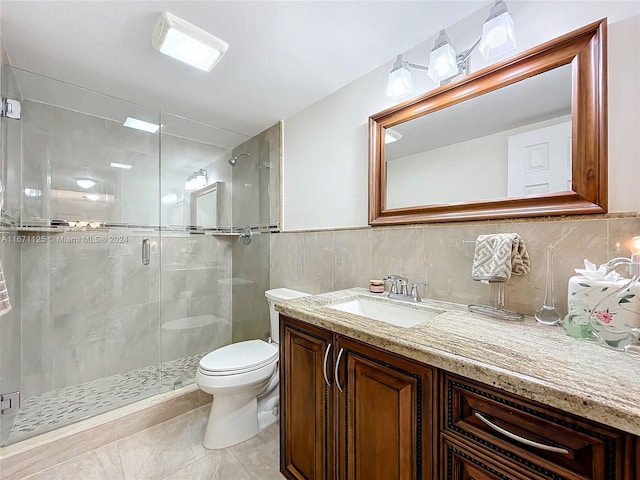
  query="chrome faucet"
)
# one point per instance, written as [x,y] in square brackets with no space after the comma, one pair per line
[404,294]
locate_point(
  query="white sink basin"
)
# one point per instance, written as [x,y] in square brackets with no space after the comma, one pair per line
[388,312]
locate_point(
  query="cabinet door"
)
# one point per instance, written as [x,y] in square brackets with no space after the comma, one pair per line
[385,428]
[306,421]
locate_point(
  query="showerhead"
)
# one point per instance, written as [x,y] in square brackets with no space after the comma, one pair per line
[233,160]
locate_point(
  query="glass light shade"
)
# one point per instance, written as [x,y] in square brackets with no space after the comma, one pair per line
[498,36]
[170,198]
[442,63]
[391,135]
[85,183]
[195,182]
[400,83]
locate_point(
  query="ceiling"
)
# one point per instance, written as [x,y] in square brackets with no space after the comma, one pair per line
[283,55]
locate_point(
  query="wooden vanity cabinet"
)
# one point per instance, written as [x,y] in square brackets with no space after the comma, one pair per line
[351,411]
[355,412]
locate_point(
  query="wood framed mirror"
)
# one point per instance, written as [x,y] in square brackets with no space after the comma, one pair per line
[543,111]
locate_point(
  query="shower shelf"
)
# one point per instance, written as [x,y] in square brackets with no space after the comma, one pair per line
[60,226]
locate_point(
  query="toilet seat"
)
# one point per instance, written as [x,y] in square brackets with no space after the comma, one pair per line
[241,357]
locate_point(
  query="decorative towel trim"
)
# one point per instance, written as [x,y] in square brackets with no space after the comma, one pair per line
[498,256]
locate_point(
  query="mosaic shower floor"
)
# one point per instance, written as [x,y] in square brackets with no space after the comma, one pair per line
[58,408]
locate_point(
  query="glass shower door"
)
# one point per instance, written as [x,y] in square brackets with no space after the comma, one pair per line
[81,251]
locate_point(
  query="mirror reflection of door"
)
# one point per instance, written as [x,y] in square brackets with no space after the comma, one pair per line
[540,161]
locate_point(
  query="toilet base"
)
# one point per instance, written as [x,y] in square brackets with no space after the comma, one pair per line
[230,424]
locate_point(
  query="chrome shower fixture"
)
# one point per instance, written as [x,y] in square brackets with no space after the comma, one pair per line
[233,160]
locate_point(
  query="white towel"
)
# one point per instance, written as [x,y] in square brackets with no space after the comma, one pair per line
[499,256]
[5,306]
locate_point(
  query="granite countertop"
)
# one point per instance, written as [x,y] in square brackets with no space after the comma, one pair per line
[535,361]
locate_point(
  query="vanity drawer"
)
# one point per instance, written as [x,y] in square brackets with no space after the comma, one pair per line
[532,437]
[459,463]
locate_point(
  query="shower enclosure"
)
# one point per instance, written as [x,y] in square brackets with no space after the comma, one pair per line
[121,251]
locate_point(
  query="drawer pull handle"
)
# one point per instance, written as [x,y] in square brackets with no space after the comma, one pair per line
[520,439]
[324,367]
[335,373]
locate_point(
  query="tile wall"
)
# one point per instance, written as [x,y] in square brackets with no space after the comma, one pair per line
[256,202]
[322,261]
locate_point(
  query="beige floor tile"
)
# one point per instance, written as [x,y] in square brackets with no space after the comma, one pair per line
[166,448]
[260,455]
[218,465]
[173,451]
[100,464]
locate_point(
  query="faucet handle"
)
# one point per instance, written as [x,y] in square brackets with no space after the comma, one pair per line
[414,290]
[394,279]
[403,285]
[394,286]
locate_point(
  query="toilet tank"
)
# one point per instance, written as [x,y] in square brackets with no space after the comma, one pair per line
[274,297]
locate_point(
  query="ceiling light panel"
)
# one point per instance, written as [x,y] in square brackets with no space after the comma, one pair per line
[141,125]
[186,42]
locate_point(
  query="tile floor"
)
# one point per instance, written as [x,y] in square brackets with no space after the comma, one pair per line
[173,450]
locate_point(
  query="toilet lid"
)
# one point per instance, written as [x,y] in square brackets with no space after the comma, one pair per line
[239,357]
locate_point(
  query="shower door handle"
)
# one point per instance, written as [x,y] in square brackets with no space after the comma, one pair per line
[146,250]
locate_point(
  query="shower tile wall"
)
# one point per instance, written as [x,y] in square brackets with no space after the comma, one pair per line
[256,180]
[195,272]
[322,261]
[256,202]
[249,282]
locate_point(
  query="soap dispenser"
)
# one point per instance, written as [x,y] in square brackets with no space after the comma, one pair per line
[622,299]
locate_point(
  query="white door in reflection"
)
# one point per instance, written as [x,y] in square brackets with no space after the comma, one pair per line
[540,161]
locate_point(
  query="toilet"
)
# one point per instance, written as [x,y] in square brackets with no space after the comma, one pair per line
[243,378]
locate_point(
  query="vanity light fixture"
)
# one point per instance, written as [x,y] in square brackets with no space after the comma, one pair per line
[138,124]
[184,41]
[85,183]
[444,64]
[196,180]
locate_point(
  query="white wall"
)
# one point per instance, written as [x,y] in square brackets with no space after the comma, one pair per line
[325,170]
[476,169]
